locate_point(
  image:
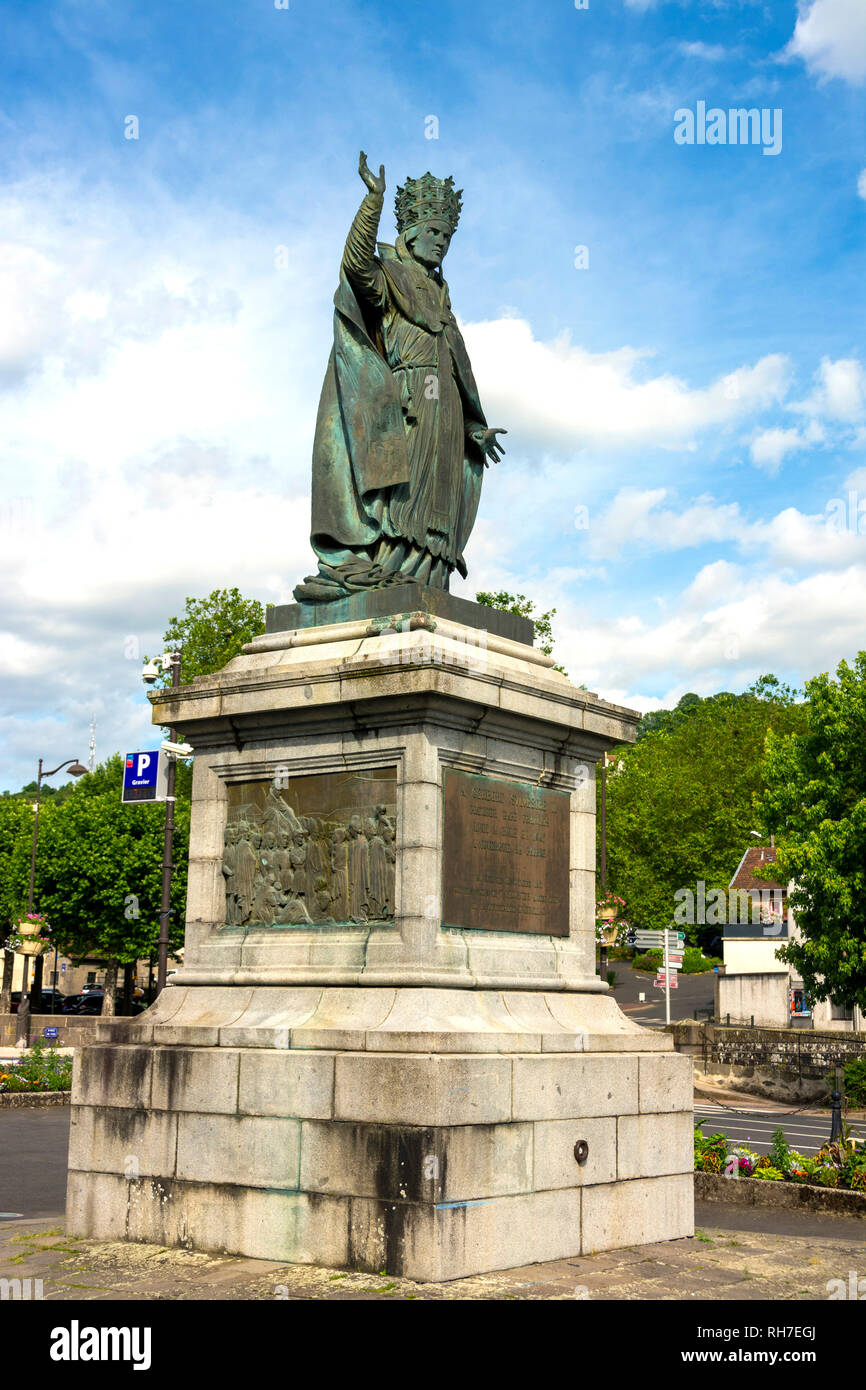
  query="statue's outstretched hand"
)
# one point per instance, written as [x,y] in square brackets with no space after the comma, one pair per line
[489,444]
[375,185]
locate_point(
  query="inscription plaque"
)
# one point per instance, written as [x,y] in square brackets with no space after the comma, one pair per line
[506,855]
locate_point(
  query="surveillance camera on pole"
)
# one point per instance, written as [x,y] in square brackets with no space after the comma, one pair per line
[176,750]
[160,665]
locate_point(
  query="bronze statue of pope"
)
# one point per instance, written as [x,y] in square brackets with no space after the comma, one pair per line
[401,439]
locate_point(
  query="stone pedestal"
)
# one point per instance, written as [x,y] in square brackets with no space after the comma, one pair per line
[399,1091]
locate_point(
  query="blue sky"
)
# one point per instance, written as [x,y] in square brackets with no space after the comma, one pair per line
[698,388]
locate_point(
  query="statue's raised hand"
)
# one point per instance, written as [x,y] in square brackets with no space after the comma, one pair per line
[375,185]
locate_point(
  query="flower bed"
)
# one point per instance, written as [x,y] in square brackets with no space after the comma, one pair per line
[40,1069]
[841,1164]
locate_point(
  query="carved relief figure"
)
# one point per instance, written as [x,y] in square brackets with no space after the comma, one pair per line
[282,868]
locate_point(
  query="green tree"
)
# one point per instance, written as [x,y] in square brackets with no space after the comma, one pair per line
[212,630]
[681,802]
[523,607]
[815,802]
[16,838]
[99,872]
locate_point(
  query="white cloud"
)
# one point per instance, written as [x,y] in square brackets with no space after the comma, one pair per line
[568,397]
[861,184]
[792,540]
[830,37]
[636,522]
[769,447]
[839,392]
[710,52]
[634,518]
[730,625]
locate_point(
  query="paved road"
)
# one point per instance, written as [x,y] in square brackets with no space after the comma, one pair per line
[33,1149]
[804,1132]
[694,991]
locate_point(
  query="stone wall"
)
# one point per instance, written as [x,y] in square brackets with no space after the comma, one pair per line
[72,1028]
[781,1062]
[765,997]
[759,995]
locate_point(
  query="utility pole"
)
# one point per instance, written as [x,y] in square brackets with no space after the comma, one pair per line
[76,770]
[602,951]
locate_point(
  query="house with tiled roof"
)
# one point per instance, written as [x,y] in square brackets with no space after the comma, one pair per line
[753,982]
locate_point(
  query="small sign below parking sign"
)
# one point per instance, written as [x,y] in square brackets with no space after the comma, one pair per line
[145,776]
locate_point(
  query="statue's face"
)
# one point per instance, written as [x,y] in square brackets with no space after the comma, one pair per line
[430,243]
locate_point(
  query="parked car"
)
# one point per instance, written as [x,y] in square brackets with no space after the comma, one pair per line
[45,1002]
[71,1003]
[90,1002]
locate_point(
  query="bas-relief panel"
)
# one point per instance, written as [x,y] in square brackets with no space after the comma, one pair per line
[318,850]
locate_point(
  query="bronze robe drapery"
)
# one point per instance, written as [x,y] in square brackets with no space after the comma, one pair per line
[396,479]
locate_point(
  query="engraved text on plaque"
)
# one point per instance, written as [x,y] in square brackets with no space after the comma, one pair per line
[506,855]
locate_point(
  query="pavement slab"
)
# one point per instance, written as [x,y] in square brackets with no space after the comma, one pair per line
[720,1263]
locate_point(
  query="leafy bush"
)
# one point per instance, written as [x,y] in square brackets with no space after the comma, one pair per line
[696,963]
[857,1178]
[649,960]
[770,1173]
[855,1081]
[711,1152]
[780,1151]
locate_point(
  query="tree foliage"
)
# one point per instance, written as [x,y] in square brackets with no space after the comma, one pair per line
[682,801]
[16,838]
[815,802]
[98,867]
[212,630]
[523,607]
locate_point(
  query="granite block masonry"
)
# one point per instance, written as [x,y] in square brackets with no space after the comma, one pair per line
[387,1047]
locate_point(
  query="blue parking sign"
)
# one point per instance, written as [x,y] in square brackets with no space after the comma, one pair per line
[144,776]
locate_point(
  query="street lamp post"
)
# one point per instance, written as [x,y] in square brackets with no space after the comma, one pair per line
[76,770]
[602,953]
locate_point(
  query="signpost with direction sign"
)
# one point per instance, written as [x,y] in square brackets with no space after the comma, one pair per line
[145,777]
[655,940]
[672,943]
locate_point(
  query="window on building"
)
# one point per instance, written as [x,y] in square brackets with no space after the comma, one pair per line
[842,1011]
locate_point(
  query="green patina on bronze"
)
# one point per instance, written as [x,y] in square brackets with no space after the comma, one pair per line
[401,439]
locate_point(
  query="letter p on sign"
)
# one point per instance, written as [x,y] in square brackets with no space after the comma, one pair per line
[143,762]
